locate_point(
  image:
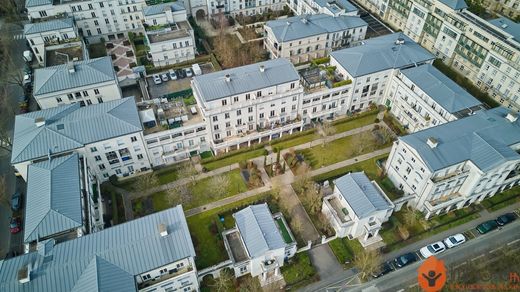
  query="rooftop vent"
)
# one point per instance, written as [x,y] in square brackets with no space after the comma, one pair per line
[432,142]
[163,230]
[304,19]
[228,77]
[24,274]
[399,41]
[262,68]
[71,67]
[512,117]
[504,25]
[39,122]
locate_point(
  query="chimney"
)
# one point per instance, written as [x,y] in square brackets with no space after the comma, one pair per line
[24,274]
[228,77]
[262,68]
[512,117]
[432,142]
[39,122]
[71,67]
[163,230]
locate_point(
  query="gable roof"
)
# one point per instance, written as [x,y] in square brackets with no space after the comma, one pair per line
[160,8]
[55,24]
[484,138]
[131,248]
[508,26]
[361,194]
[304,26]
[381,53]
[258,230]
[247,78]
[441,88]
[70,127]
[53,197]
[33,3]
[87,72]
[455,4]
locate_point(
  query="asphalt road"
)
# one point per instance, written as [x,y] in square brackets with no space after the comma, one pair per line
[406,277]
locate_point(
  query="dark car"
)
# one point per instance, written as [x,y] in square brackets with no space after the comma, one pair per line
[487,226]
[181,73]
[405,259]
[506,218]
[15,225]
[384,269]
[16,201]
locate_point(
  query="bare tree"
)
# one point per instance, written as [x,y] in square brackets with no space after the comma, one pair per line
[296,224]
[224,282]
[410,217]
[302,178]
[325,130]
[249,284]
[180,194]
[362,143]
[219,186]
[146,181]
[4,196]
[311,197]
[368,262]
[188,170]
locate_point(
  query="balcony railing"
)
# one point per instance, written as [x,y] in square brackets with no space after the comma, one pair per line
[172,274]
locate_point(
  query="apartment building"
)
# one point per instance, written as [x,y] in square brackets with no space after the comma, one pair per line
[372,64]
[51,35]
[422,97]
[508,8]
[95,19]
[65,212]
[357,208]
[108,136]
[249,104]
[85,82]
[485,51]
[458,163]
[306,37]
[246,7]
[259,244]
[334,8]
[152,253]
[169,34]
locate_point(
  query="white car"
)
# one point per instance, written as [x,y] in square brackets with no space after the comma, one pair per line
[188,71]
[432,249]
[454,240]
[164,77]
[157,79]
[173,75]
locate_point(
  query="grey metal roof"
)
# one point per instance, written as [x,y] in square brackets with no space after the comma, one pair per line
[131,248]
[87,72]
[160,8]
[53,197]
[341,4]
[484,138]
[70,127]
[32,3]
[361,194]
[304,26]
[440,88]
[508,26]
[455,4]
[55,24]
[381,53]
[243,79]
[258,230]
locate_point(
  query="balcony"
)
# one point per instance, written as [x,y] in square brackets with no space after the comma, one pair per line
[165,32]
[443,202]
[172,274]
[59,41]
[448,176]
[339,211]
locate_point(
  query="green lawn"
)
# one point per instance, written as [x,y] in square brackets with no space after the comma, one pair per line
[97,50]
[340,149]
[369,166]
[502,199]
[233,159]
[285,234]
[201,192]
[355,122]
[345,250]
[297,140]
[164,175]
[299,271]
[205,231]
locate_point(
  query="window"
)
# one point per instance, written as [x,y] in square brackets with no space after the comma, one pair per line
[139,156]
[228,133]
[226,115]
[58,99]
[293,85]
[215,127]
[235,99]
[250,109]
[97,158]
[93,149]
[248,96]
[272,113]
[95,21]
[133,139]
[101,4]
[112,157]
[215,118]
[228,124]
[239,112]
[125,154]
[89,102]
[224,102]
[100,100]
[283,110]
[261,115]
[43,13]
[101,166]
[258,93]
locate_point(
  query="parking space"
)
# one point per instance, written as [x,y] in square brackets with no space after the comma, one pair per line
[375,26]
[167,87]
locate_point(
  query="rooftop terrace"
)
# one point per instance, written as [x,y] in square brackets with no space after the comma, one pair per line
[161,33]
[170,114]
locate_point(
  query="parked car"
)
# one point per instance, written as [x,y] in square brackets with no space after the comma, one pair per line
[432,249]
[487,226]
[384,269]
[27,56]
[164,77]
[181,73]
[405,259]
[196,69]
[16,201]
[189,73]
[15,225]
[454,240]
[173,75]
[506,219]
[157,79]
[27,79]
